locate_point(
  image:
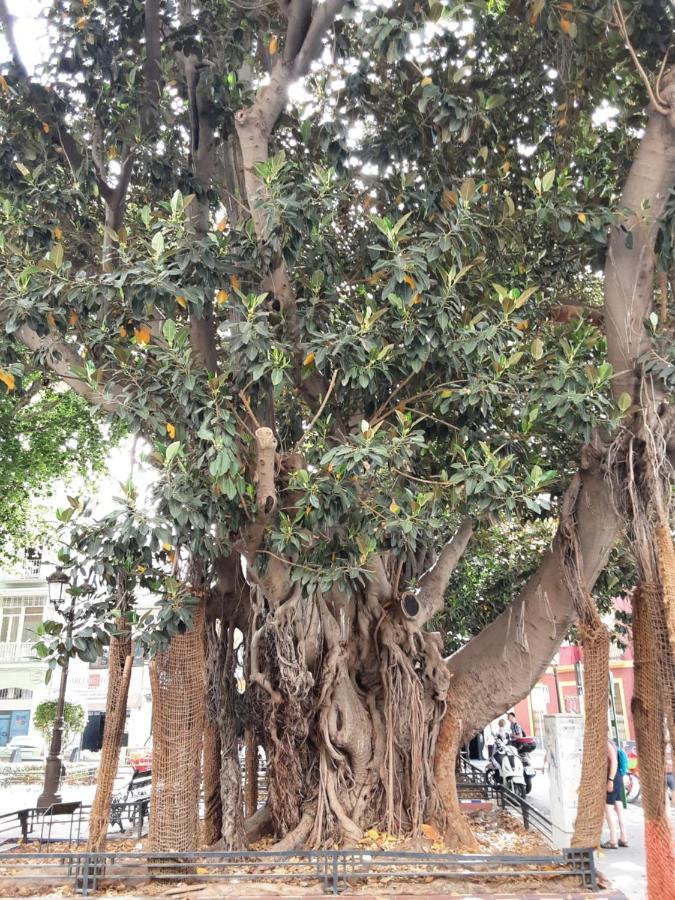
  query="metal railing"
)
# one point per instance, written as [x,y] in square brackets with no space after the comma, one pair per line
[68,823]
[477,778]
[335,870]
[17,651]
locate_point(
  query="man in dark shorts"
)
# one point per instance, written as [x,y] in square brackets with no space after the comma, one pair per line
[614,802]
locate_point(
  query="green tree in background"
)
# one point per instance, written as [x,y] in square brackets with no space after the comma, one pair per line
[45,716]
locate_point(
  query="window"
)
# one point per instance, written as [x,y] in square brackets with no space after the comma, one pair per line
[15,694]
[32,616]
[9,627]
[20,617]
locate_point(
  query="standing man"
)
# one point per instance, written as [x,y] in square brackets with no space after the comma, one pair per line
[516,728]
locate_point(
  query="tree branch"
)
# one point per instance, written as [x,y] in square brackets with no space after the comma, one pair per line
[63,360]
[299,19]
[629,270]
[152,72]
[322,20]
[421,604]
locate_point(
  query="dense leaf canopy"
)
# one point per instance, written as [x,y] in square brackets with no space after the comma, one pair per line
[440,195]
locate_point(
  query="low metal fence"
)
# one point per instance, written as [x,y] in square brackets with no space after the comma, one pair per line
[68,823]
[476,779]
[335,870]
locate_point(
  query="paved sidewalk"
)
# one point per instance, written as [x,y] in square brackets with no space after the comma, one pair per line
[623,868]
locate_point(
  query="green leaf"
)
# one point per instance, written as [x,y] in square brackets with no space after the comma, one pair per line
[494,101]
[171,452]
[158,243]
[547,181]
[624,402]
[169,330]
[56,255]
[537,348]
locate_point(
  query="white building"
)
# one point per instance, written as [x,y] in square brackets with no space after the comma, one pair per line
[24,603]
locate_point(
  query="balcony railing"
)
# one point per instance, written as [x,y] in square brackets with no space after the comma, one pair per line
[16,652]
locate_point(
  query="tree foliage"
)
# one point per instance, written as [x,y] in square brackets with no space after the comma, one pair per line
[44,718]
[47,435]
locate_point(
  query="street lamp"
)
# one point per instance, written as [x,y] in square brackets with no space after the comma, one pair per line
[56,583]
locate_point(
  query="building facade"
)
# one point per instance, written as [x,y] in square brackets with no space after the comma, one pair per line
[560,690]
[24,604]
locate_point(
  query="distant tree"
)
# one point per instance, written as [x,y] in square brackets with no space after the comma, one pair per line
[48,434]
[45,716]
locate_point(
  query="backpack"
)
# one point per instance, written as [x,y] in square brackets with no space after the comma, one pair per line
[622,761]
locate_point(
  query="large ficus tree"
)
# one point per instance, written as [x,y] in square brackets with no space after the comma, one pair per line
[336,263]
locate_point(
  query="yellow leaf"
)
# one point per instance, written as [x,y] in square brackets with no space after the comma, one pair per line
[171,430]
[72,318]
[7,380]
[142,335]
[202,870]
[448,199]
[4,85]
[566,25]
[273,45]
[430,832]
[166,547]
[58,234]
[309,359]
[181,301]
[523,326]
[140,569]
[409,281]
[234,281]
[426,81]
[485,188]
[582,218]
[123,331]
[416,299]
[394,507]
[51,321]
[506,166]
[222,225]
[81,22]
[373,834]
[222,297]
[45,127]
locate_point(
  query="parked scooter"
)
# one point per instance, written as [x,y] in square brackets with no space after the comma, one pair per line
[506,767]
[525,746]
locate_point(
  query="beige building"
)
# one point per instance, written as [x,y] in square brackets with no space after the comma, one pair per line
[24,603]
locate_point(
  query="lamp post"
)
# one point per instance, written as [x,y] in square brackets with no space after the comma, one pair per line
[51,793]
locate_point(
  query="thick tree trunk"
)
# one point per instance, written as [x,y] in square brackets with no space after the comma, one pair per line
[352,698]
[119,677]
[178,682]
